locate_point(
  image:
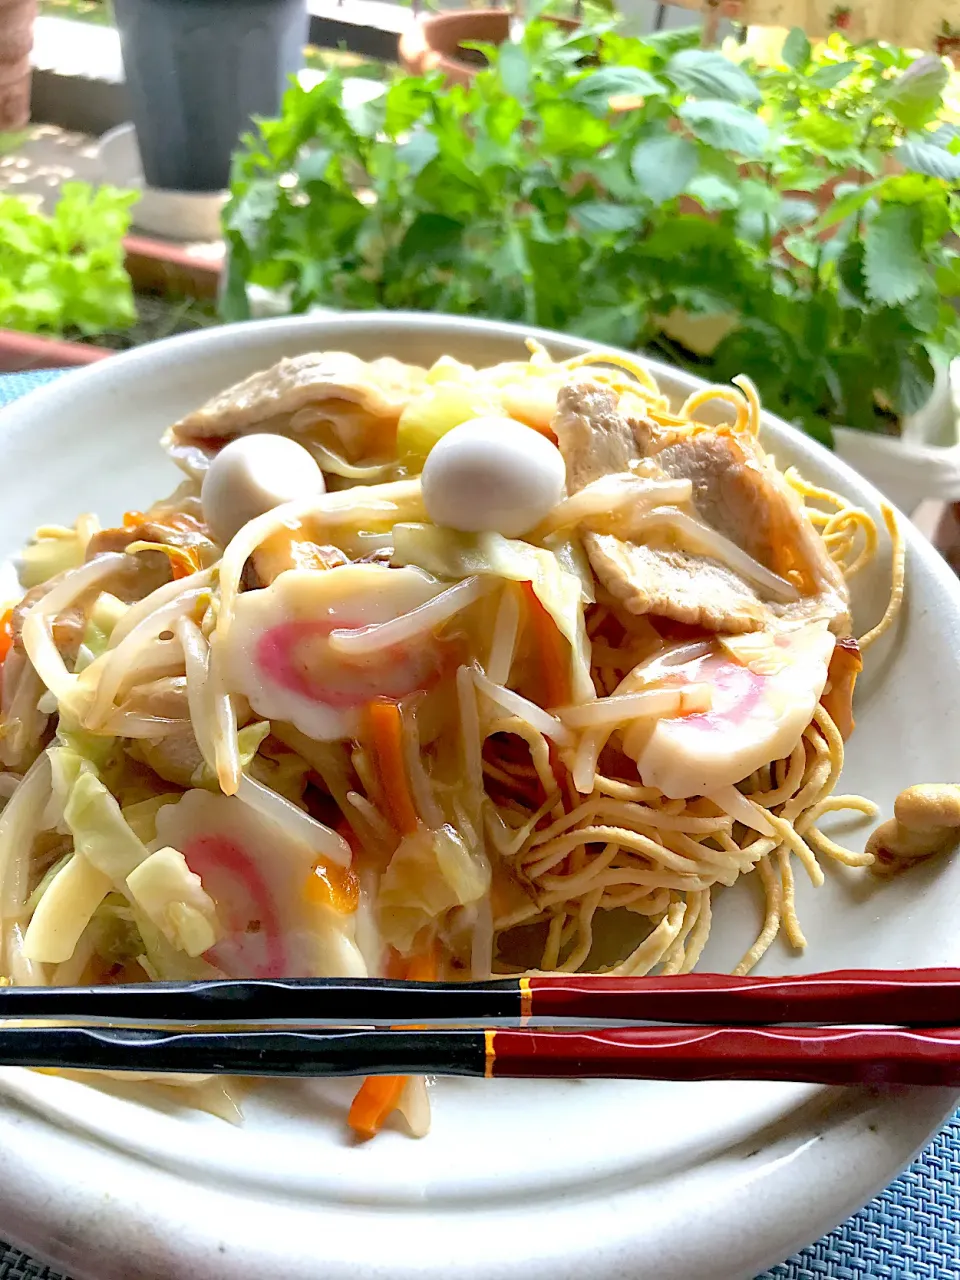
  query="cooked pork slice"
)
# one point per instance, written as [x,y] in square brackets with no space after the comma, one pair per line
[594,437]
[736,491]
[674,584]
[382,387]
[739,492]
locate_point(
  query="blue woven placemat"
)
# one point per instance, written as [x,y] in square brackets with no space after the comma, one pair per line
[911,1231]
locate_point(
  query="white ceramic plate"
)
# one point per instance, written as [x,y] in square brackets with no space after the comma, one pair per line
[545,1181]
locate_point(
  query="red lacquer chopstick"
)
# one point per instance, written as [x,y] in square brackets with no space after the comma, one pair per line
[920,997]
[820,1055]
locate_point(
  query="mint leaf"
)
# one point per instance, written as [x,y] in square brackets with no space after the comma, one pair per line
[672,41]
[597,88]
[706,74]
[915,380]
[826,135]
[314,165]
[893,263]
[662,167]
[794,212]
[803,248]
[431,236]
[832,74]
[915,96]
[366,117]
[513,66]
[712,192]
[603,215]
[796,49]
[418,150]
[925,157]
[850,202]
[727,126]
[248,216]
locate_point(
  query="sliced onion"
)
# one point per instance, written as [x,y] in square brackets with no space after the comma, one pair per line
[420,783]
[334,464]
[504,643]
[414,1105]
[388,503]
[21,820]
[38,629]
[423,620]
[742,808]
[226,745]
[613,496]
[534,715]
[702,540]
[618,708]
[471,740]
[196,655]
[318,838]
[155,600]
[106,675]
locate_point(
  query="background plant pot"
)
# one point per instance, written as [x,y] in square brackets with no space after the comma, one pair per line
[16,41]
[924,460]
[197,70]
[434,43]
[22,351]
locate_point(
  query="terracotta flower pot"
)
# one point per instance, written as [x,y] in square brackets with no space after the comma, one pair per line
[16,41]
[20,352]
[435,43]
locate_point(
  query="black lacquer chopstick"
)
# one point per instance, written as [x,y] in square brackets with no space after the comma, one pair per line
[920,997]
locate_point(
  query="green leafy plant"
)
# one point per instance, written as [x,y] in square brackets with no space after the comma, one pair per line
[629,190]
[64,272]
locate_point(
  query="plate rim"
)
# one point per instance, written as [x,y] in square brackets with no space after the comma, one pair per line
[862,1157]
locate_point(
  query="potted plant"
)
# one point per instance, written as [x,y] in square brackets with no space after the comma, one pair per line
[447,41]
[66,297]
[16,41]
[802,213]
[197,71]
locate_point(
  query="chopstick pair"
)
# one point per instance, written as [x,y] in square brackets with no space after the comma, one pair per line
[917,1043]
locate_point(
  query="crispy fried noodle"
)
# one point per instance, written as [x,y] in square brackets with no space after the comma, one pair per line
[290,722]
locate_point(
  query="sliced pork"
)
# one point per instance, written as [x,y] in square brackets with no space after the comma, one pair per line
[740,556]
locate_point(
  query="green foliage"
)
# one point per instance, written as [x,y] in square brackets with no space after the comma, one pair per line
[604,185]
[65,272]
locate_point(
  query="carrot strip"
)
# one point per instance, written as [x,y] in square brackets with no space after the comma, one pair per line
[386,734]
[553,649]
[423,968]
[6,633]
[378,1096]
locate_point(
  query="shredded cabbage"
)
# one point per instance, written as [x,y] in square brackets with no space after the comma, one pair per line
[103,617]
[249,740]
[54,550]
[437,410]
[65,910]
[171,895]
[100,831]
[449,554]
[141,817]
[430,873]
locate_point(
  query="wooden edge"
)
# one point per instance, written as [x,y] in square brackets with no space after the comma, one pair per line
[170,270]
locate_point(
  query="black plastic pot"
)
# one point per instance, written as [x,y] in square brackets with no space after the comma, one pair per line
[197,70]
